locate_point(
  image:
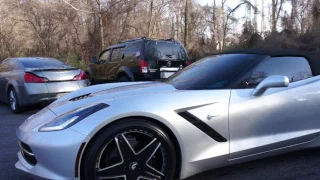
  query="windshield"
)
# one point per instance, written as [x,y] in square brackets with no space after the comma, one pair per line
[43,63]
[213,72]
[165,50]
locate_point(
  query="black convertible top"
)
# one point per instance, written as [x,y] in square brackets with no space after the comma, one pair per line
[312,57]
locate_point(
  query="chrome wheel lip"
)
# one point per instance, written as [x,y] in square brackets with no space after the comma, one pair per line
[12,100]
[134,152]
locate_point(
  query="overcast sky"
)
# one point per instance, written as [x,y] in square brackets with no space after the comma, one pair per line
[242,12]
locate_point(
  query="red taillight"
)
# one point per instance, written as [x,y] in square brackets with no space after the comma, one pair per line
[188,63]
[81,76]
[31,78]
[143,66]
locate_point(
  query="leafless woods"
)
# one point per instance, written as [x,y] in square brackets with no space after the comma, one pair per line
[74,30]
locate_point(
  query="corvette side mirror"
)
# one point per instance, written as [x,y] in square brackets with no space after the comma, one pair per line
[271,82]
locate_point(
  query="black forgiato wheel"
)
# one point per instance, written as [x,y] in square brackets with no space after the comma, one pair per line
[134,152]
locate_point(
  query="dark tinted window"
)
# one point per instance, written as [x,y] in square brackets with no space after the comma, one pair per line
[105,56]
[132,49]
[295,68]
[214,72]
[116,54]
[164,50]
[43,63]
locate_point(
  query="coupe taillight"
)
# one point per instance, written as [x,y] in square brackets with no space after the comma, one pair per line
[31,78]
[143,66]
[81,76]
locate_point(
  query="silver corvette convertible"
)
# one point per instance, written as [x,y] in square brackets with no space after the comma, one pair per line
[224,109]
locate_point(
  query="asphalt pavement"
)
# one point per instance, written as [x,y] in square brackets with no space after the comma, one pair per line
[299,165]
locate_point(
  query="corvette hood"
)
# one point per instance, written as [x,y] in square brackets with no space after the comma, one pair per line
[90,95]
[105,93]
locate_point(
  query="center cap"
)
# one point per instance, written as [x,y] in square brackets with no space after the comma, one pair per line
[133,166]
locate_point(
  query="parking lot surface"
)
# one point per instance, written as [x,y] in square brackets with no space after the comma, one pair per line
[298,165]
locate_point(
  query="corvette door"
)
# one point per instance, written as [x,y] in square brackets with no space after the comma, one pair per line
[280,117]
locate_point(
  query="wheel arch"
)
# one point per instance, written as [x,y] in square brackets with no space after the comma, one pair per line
[159,123]
[88,71]
[124,70]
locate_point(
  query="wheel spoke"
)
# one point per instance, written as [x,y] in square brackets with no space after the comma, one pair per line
[148,151]
[133,165]
[151,173]
[125,149]
[146,178]
[116,170]
[13,105]
[11,95]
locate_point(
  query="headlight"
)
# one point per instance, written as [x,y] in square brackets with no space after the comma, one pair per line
[69,119]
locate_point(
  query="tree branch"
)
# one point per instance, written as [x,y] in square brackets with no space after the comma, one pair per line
[280,8]
[77,9]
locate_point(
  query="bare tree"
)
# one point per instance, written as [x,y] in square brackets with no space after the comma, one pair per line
[276,9]
[228,17]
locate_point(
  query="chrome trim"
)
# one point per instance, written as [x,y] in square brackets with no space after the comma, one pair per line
[24,150]
[114,165]
[153,70]
[151,157]
[169,69]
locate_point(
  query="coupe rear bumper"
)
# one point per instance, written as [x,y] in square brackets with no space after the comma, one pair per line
[35,93]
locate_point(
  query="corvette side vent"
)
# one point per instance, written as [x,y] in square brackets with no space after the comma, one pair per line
[80,97]
[202,126]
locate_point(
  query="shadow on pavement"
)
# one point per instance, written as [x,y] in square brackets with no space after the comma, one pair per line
[27,110]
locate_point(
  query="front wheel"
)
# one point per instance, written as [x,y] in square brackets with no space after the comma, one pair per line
[132,150]
[13,101]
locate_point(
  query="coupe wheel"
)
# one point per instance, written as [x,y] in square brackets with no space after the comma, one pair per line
[131,150]
[13,101]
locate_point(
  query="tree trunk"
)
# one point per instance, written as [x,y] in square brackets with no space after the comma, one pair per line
[178,27]
[172,28]
[150,19]
[186,21]
[273,16]
[224,26]
[293,15]
[262,16]
[101,25]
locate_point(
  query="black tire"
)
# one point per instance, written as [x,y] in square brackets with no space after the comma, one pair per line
[158,154]
[90,79]
[124,78]
[14,101]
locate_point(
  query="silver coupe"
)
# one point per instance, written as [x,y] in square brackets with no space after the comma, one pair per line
[30,80]
[225,109]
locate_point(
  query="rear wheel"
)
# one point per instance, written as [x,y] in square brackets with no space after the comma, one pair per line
[124,78]
[13,101]
[132,150]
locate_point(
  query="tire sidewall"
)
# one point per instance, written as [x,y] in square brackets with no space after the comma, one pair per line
[98,142]
[90,79]
[124,78]
[18,109]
